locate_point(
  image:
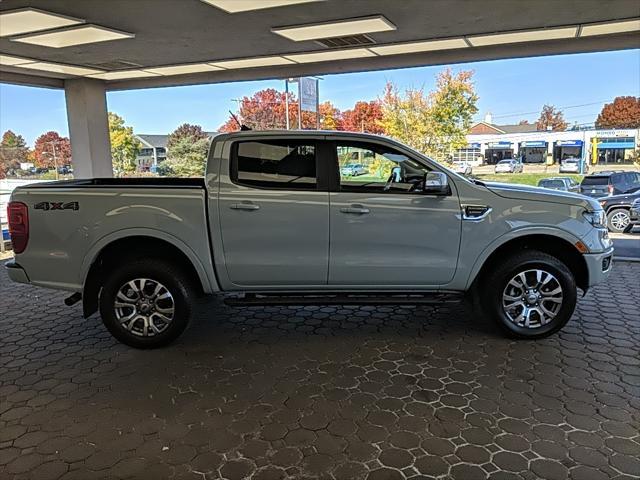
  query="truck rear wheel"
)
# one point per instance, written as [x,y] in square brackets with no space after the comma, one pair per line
[530,295]
[146,303]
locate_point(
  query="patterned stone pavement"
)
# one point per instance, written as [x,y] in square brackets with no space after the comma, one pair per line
[336,393]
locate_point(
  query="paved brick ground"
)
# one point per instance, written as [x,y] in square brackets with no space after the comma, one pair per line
[357,392]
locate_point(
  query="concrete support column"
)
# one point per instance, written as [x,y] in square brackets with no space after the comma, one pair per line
[88,128]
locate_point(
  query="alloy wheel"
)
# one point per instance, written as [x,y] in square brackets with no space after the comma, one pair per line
[532,298]
[144,307]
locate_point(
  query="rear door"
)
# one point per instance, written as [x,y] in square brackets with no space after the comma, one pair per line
[384,233]
[273,210]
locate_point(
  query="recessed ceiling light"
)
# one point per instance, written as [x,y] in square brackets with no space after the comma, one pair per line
[234,6]
[181,69]
[60,68]
[610,27]
[73,36]
[526,36]
[330,55]
[123,74]
[11,60]
[426,46]
[340,28]
[251,62]
[24,20]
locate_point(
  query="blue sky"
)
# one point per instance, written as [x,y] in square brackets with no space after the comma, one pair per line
[511,90]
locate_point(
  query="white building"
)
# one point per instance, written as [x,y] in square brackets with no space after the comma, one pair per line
[492,143]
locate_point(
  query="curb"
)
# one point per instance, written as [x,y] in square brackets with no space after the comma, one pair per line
[626,259]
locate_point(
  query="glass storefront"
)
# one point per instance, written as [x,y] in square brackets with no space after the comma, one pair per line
[471,154]
[613,150]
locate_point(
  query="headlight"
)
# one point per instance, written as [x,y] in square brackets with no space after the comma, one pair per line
[598,218]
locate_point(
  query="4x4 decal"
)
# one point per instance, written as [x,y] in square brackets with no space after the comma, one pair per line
[57,206]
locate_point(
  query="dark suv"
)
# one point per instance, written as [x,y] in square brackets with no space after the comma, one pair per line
[618,210]
[603,184]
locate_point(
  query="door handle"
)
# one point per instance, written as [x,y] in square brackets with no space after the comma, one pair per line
[245,206]
[357,209]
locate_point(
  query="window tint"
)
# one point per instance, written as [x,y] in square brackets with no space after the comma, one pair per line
[286,164]
[595,180]
[379,169]
[552,184]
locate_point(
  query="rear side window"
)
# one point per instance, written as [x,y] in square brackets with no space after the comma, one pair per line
[284,164]
[552,183]
[594,180]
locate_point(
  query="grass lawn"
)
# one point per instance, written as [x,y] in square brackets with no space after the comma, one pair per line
[523,178]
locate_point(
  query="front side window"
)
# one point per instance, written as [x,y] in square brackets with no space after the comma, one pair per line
[376,168]
[284,164]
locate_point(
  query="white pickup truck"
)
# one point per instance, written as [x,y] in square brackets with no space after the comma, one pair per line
[275,221]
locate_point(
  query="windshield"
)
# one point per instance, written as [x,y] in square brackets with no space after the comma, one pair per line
[505,162]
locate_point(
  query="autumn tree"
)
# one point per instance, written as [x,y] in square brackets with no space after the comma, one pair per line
[434,124]
[624,112]
[330,117]
[51,150]
[124,146]
[551,119]
[363,117]
[187,149]
[266,110]
[13,150]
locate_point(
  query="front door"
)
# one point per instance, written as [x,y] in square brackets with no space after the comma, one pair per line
[384,232]
[274,218]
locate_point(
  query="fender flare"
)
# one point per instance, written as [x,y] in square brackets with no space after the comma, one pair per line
[208,285]
[512,235]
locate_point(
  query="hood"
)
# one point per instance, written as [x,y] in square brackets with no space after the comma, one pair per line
[538,194]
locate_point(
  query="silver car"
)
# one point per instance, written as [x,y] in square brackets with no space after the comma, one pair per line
[509,166]
[572,165]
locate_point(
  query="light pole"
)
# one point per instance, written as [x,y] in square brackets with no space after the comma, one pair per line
[55,159]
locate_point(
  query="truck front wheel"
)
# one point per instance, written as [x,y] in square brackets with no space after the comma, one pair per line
[531,294]
[146,303]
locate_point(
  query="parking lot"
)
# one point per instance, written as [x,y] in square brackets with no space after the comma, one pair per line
[339,392]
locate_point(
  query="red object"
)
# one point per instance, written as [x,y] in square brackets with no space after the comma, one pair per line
[18,214]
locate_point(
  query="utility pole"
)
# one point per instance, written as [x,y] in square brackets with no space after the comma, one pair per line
[55,159]
[286,101]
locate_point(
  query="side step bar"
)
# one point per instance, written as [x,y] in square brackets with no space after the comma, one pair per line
[359,298]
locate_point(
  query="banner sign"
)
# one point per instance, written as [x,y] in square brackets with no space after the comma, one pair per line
[499,144]
[308,93]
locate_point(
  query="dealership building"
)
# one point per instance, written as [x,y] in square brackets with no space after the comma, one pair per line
[491,143]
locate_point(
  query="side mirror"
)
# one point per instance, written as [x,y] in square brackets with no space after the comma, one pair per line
[436,183]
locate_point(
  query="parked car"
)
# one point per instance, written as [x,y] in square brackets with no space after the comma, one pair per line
[463,168]
[271,223]
[508,166]
[573,165]
[565,184]
[634,214]
[618,210]
[353,170]
[602,184]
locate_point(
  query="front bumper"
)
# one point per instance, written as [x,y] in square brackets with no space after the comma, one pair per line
[16,272]
[599,266]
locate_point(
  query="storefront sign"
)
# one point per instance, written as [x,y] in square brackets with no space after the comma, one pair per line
[473,145]
[499,144]
[535,143]
[569,143]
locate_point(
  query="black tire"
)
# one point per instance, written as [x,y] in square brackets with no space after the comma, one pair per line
[165,273]
[613,215]
[496,282]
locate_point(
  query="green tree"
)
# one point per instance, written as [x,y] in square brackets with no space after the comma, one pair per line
[434,124]
[13,150]
[187,149]
[124,146]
